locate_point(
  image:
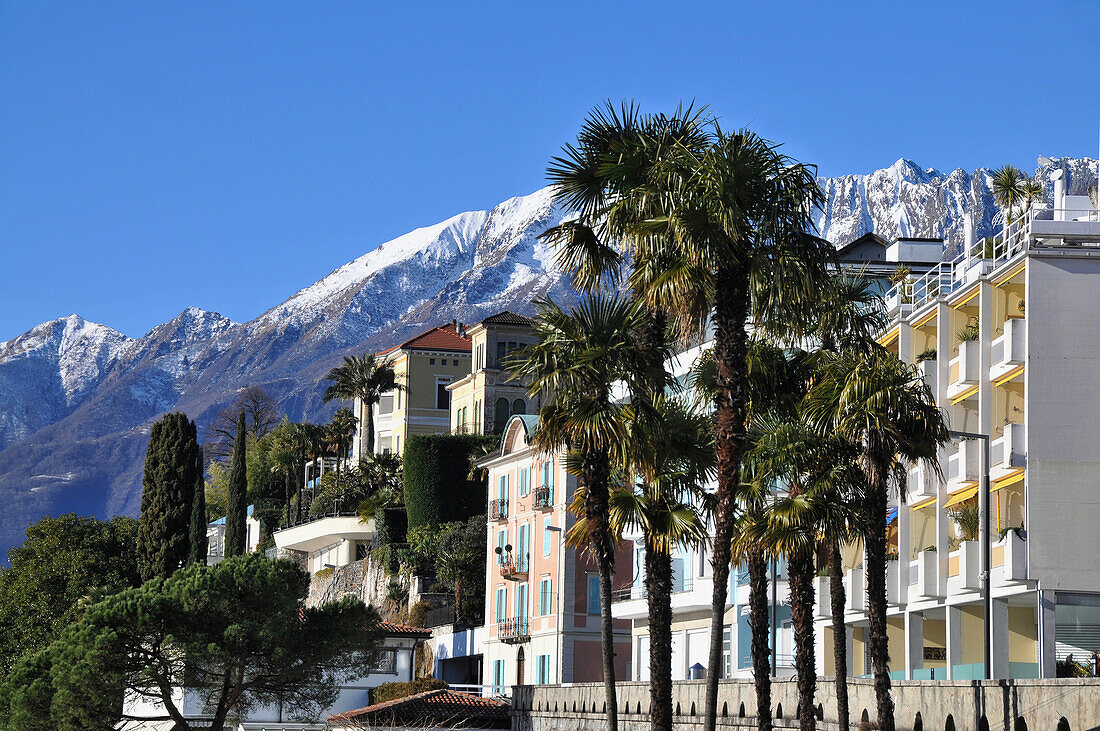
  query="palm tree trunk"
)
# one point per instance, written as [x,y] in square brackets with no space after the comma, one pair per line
[731,307]
[288,488]
[368,416]
[875,570]
[597,476]
[840,634]
[759,624]
[658,585]
[800,576]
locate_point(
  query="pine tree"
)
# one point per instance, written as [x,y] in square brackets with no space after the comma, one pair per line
[235,514]
[167,493]
[198,517]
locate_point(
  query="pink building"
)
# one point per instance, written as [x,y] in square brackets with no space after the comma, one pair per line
[542,597]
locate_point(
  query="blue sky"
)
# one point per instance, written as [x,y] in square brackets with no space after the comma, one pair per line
[224,155]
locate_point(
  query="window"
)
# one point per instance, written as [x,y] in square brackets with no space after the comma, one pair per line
[727,656]
[593,594]
[454,362]
[546,536]
[501,609]
[524,488]
[501,352]
[521,601]
[547,474]
[542,669]
[519,406]
[501,415]
[477,418]
[545,603]
[479,359]
[442,395]
[498,677]
[524,546]
[385,662]
[502,541]
[431,361]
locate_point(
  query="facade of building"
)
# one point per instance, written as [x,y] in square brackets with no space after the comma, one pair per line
[1004,336]
[215,537]
[425,366]
[483,401]
[542,596]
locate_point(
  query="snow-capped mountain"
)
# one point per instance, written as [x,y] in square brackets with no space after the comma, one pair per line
[77,398]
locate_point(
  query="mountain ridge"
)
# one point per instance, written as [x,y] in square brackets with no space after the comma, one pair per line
[77,398]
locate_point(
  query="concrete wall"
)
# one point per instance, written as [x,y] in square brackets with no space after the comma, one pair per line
[1041,703]
[1063,421]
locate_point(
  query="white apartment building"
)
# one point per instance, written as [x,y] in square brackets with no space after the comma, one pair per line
[1007,337]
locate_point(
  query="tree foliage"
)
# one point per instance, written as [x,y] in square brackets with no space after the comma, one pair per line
[171,474]
[63,563]
[261,416]
[237,498]
[435,473]
[198,542]
[236,632]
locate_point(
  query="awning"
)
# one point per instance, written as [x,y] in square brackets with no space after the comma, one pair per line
[1012,479]
[962,495]
[924,503]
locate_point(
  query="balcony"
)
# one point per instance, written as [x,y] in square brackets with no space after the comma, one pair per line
[1009,559]
[962,567]
[1009,351]
[543,499]
[513,631]
[1006,455]
[922,483]
[854,590]
[514,568]
[963,464]
[823,597]
[924,576]
[498,509]
[929,371]
[963,371]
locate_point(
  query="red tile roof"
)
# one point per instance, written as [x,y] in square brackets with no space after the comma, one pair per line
[444,337]
[432,708]
[403,630]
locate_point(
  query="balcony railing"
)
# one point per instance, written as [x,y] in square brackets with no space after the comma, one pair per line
[963,371]
[1008,351]
[513,631]
[543,498]
[962,465]
[514,567]
[1007,453]
[637,590]
[498,509]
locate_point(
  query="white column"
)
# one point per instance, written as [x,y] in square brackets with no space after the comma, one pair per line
[1045,645]
[914,643]
[954,639]
[1000,644]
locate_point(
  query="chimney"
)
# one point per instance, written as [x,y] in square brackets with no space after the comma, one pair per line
[1059,178]
[968,233]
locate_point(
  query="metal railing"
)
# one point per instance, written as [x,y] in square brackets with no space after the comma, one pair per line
[543,498]
[513,567]
[498,509]
[513,630]
[680,585]
[334,513]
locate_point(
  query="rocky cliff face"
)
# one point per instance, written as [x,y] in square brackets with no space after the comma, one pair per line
[77,398]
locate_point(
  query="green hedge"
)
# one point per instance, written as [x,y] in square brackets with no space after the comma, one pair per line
[392,525]
[393,691]
[435,475]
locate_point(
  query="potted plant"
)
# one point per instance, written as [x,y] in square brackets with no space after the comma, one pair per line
[970,332]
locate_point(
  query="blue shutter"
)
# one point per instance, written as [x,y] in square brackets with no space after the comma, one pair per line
[546,533]
[593,594]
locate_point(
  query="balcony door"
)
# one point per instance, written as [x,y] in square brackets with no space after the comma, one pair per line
[521,663]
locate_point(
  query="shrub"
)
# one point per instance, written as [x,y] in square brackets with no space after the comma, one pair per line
[929,354]
[418,614]
[436,477]
[393,691]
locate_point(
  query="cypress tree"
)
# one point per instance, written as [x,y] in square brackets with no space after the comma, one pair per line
[198,517]
[237,499]
[167,493]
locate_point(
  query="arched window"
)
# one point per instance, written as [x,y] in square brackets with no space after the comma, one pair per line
[918,722]
[1020,724]
[1063,724]
[693,708]
[500,418]
[725,710]
[983,724]
[519,406]
[779,711]
[741,712]
[949,724]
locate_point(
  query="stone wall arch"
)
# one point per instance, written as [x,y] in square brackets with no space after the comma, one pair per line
[949,724]
[1019,724]
[1063,724]
[918,722]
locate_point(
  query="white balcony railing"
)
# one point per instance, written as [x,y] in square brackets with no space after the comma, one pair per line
[924,576]
[1007,453]
[930,373]
[854,590]
[1009,350]
[923,483]
[963,464]
[963,567]
[963,372]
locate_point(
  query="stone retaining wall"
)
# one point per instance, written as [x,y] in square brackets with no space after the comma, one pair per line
[1008,705]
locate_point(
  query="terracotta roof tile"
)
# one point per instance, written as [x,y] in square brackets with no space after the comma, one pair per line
[444,337]
[434,707]
[393,628]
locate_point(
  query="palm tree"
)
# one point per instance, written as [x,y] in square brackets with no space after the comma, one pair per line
[340,431]
[670,458]
[884,406]
[727,217]
[1009,190]
[366,378]
[579,357]
[850,316]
